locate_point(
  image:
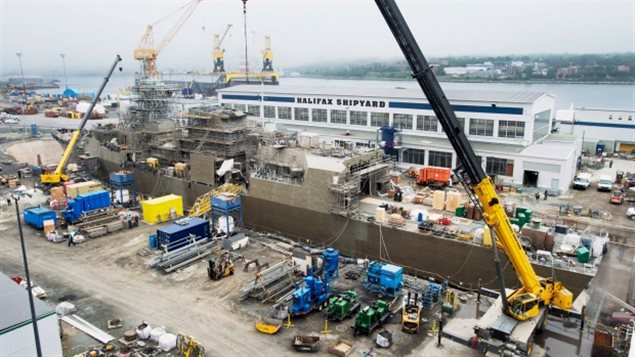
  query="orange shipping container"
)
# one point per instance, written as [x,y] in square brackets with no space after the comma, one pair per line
[434,174]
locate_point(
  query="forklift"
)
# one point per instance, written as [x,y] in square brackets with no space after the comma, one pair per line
[220,268]
[411,314]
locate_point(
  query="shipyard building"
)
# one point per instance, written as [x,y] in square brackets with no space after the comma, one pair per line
[602,130]
[510,131]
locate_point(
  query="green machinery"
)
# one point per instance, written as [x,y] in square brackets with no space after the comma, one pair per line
[343,306]
[371,317]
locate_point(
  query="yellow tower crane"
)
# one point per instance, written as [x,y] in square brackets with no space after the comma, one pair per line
[147,53]
[218,54]
[267,56]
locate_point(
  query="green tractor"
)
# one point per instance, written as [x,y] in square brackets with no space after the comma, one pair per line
[371,317]
[343,306]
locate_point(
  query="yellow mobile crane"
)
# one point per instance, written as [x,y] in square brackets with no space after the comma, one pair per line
[218,54]
[529,304]
[147,53]
[57,176]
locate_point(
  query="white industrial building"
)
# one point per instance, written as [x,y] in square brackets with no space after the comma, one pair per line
[510,131]
[16,330]
[605,130]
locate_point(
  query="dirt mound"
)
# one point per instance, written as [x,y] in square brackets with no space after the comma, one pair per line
[26,151]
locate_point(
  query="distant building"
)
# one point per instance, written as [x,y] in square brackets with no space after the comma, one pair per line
[510,131]
[610,130]
[623,68]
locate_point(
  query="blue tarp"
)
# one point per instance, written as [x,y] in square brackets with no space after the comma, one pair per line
[69,93]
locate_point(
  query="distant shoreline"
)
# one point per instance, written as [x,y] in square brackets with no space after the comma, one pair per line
[464,80]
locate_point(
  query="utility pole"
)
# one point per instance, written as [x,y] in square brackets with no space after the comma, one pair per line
[245,25]
[16,198]
[19,54]
[64,65]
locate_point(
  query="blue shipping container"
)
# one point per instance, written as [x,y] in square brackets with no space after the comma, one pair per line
[85,203]
[169,235]
[35,216]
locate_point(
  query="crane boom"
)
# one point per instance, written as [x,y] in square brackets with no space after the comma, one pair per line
[58,175]
[147,53]
[536,291]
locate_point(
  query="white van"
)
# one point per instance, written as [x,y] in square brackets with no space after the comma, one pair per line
[582,181]
[605,183]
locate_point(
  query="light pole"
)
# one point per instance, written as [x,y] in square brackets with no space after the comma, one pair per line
[64,65]
[16,198]
[19,54]
[245,24]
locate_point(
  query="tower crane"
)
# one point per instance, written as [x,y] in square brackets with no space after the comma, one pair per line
[218,55]
[147,53]
[267,56]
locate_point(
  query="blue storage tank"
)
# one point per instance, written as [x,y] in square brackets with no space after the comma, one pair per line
[331,257]
[122,178]
[172,234]
[152,241]
[85,203]
[35,216]
[226,204]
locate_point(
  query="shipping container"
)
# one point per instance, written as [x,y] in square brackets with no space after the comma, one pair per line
[433,174]
[86,203]
[35,216]
[81,188]
[162,209]
[172,236]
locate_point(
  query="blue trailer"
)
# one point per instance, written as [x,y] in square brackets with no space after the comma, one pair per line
[173,236]
[35,216]
[86,203]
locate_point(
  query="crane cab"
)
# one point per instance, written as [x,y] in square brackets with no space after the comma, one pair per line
[524,306]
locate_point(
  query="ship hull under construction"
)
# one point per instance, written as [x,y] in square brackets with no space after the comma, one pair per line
[422,254]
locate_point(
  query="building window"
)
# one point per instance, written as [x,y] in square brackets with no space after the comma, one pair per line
[511,129]
[496,166]
[414,156]
[440,159]
[284,113]
[482,127]
[240,107]
[254,110]
[427,123]
[461,124]
[301,114]
[338,116]
[270,111]
[359,118]
[402,121]
[379,119]
[541,125]
[318,115]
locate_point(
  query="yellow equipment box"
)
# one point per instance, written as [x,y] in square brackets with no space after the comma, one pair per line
[162,209]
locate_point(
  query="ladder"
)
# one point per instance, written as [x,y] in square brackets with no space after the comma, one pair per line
[203,204]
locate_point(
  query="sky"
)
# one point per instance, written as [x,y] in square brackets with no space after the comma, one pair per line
[91,32]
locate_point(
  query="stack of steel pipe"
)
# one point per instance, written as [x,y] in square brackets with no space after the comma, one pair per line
[270,283]
[181,257]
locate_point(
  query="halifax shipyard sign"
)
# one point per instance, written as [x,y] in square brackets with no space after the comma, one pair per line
[342,102]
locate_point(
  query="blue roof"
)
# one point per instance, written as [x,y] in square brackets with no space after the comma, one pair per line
[39,210]
[173,228]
